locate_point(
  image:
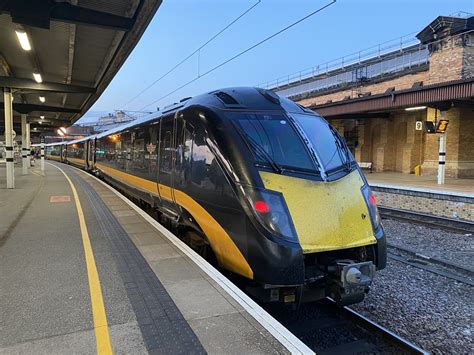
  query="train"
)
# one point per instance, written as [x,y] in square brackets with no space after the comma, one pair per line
[254,182]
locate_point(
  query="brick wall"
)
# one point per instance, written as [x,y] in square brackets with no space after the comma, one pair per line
[446,61]
[459,144]
[468,58]
[391,144]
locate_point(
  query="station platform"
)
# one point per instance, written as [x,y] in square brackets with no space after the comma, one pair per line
[455,187]
[454,199]
[84,270]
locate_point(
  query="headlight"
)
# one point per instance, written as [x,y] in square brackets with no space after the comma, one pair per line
[271,211]
[371,206]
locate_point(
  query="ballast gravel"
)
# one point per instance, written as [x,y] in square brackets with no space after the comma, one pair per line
[431,311]
[457,248]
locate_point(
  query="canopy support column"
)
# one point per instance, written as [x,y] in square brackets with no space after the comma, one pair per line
[8,109]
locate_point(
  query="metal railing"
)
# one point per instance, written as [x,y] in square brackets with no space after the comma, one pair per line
[406,59]
[377,61]
[376,51]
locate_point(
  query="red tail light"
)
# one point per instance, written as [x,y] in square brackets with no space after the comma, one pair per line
[261,206]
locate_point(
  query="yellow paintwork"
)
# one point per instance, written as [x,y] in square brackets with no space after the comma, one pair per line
[76,160]
[223,246]
[326,215]
[99,317]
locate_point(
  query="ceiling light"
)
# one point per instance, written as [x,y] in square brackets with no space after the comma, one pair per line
[42,117]
[42,99]
[60,133]
[38,77]
[24,41]
[62,129]
[417,108]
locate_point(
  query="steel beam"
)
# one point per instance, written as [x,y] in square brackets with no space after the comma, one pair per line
[28,108]
[39,13]
[28,84]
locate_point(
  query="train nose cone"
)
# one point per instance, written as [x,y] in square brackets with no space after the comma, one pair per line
[353,276]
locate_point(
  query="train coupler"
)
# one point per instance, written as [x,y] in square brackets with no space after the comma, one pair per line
[352,281]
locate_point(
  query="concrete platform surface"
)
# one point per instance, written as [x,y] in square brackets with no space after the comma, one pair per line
[457,187]
[158,295]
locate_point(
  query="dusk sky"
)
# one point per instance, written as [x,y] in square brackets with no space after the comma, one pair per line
[181,26]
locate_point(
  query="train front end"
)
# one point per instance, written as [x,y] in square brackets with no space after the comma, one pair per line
[323,234]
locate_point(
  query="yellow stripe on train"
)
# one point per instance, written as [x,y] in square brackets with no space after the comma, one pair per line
[222,244]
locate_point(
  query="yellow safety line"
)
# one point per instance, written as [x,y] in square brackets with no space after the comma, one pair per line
[101,327]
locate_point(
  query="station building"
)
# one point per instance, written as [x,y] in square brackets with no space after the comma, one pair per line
[376,97]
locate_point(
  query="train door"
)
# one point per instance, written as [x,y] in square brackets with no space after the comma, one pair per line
[166,163]
[184,137]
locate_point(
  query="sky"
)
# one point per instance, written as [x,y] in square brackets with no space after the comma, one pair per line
[179,27]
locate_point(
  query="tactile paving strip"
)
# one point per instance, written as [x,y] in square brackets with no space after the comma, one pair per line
[164,329]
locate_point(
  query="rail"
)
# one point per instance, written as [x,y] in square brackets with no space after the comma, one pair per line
[451,224]
[390,337]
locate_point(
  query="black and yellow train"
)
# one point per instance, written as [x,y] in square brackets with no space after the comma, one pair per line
[263,185]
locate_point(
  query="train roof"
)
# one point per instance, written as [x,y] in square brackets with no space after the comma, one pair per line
[236,98]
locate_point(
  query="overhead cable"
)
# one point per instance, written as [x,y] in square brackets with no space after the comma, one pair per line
[241,53]
[193,53]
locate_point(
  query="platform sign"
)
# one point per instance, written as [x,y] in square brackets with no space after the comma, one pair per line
[442,125]
[419,125]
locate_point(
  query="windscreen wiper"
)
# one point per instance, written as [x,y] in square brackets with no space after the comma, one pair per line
[342,148]
[259,150]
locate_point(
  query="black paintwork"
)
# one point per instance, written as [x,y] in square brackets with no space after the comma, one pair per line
[194,147]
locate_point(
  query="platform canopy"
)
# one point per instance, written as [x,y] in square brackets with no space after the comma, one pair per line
[59,56]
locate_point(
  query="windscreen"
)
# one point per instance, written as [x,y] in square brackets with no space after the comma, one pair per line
[332,154]
[275,135]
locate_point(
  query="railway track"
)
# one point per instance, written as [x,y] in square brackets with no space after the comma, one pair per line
[432,264]
[329,329]
[450,224]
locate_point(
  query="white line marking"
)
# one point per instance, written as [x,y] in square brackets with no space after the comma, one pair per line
[275,328]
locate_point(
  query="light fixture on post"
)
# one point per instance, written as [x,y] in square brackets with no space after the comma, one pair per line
[42,99]
[23,39]
[38,78]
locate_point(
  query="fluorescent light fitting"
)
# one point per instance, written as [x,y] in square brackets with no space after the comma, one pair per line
[417,108]
[42,98]
[23,39]
[38,77]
